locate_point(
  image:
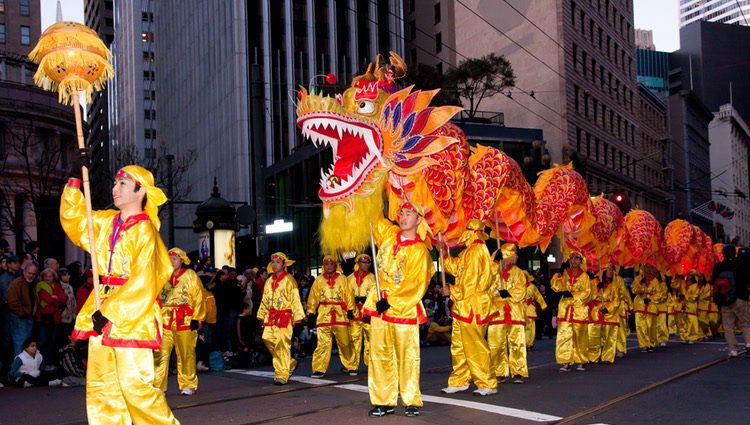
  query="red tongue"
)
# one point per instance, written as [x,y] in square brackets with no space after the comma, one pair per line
[351,150]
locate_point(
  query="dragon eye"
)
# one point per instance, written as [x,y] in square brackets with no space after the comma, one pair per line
[365,107]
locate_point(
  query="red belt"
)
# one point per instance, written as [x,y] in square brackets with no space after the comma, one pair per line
[279,318]
[114,281]
[339,303]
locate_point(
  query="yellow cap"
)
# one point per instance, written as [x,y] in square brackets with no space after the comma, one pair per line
[177,252]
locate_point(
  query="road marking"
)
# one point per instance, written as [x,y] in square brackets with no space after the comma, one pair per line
[491,408]
[270,375]
[505,411]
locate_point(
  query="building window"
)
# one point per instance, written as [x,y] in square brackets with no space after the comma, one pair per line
[149,95]
[148,75]
[413,30]
[149,114]
[25,35]
[413,56]
[438,42]
[411,5]
[147,36]
[148,56]
[577,90]
[2,6]
[149,133]
[439,68]
[2,32]
[573,14]
[147,17]
[437,13]
[24,8]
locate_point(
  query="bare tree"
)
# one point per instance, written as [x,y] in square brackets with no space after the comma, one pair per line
[478,78]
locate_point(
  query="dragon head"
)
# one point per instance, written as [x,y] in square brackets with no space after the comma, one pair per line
[373,128]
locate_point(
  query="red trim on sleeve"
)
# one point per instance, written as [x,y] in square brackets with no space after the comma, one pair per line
[74,183]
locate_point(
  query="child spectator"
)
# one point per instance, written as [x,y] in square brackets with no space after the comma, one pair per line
[73,364]
[27,369]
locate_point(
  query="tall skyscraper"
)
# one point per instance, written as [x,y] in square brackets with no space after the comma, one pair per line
[722,11]
[227,78]
[575,78]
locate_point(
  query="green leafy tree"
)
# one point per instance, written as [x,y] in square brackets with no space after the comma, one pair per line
[476,79]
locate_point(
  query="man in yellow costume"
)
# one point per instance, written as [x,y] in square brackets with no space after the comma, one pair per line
[705,299]
[647,287]
[595,318]
[623,331]
[691,293]
[506,333]
[361,283]
[610,312]
[470,352]
[124,330]
[662,327]
[333,303]
[405,269]
[280,308]
[573,284]
[182,308]
[533,299]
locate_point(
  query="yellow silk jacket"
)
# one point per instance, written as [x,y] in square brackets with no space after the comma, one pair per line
[705,299]
[512,310]
[471,292]
[280,306]
[360,285]
[654,290]
[691,292]
[611,299]
[574,309]
[182,300]
[330,298]
[533,298]
[405,268]
[133,268]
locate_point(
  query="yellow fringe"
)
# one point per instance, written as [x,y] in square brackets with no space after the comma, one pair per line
[71,58]
[344,230]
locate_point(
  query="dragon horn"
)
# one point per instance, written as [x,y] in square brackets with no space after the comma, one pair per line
[398,65]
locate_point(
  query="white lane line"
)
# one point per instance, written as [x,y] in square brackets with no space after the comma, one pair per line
[500,410]
[302,379]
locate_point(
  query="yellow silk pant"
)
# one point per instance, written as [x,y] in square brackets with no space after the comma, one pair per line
[705,323]
[595,342]
[692,327]
[645,329]
[609,336]
[623,332]
[713,321]
[530,331]
[508,350]
[394,364]
[672,319]
[572,343]
[322,353]
[470,356]
[359,333]
[184,344]
[662,330]
[120,387]
[279,344]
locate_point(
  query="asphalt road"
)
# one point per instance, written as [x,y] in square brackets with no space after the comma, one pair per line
[675,385]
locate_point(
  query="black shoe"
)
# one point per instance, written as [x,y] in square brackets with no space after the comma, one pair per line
[411,411]
[279,382]
[381,411]
[317,375]
[350,372]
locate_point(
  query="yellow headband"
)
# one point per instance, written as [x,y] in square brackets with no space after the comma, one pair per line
[287,261]
[154,196]
[358,259]
[177,252]
[474,231]
[508,250]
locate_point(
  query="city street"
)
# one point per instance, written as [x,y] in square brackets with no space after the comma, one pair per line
[678,384]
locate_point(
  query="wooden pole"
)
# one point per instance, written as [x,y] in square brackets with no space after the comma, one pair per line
[87,197]
[440,260]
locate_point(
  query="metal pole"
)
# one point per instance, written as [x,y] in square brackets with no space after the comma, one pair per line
[170,195]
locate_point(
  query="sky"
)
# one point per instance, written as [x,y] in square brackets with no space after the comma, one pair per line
[72,11]
[662,17]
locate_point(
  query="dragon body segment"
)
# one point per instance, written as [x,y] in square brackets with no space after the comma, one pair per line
[391,144]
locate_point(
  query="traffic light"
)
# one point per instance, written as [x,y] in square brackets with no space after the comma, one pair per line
[619,198]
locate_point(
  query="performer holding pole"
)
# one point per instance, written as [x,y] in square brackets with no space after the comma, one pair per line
[123,331]
[361,283]
[404,268]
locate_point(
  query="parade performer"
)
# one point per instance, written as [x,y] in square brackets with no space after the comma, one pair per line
[280,308]
[691,291]
[534,300]
[675,307]
[610,312]
[361,283]
[623,331]
[471,299]
[125,329]
[182,304]
[506,333]
[647,287]
[662,327]
[332,301]
[705,299]
[404,270]
[595,319]
[572,313]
